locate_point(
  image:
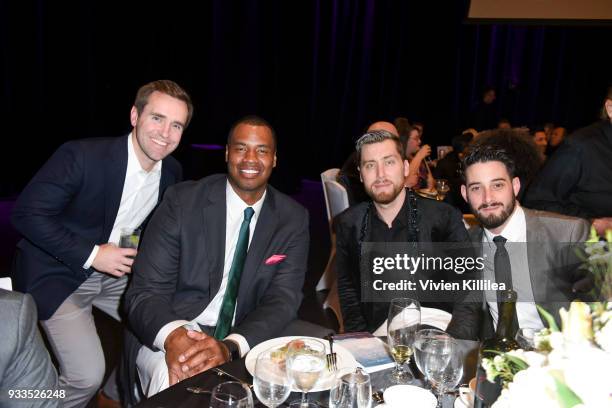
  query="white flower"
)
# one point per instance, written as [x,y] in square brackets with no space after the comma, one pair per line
[532,387]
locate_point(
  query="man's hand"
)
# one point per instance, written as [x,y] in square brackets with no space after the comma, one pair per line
[113,260]
[206,353]
[176,343]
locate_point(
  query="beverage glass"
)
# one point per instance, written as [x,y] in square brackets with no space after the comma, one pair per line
[402,324]
[129,238]
[231,394]
[271,382]
[305,363]
[351,389]
[442,188]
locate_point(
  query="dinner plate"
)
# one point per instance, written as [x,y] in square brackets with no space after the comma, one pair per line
[427,193]
[429,316]
[418,397]
[343,357]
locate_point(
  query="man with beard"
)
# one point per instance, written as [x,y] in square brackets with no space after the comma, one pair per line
[221,269]
[394,214]
[544,270]
[71,215]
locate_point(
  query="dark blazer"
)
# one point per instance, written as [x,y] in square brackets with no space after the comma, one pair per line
[437,221]
[68,207]
[25,363]
[471,318]
[577,179]
[179,267]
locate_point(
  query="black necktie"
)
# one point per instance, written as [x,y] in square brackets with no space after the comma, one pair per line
[503,273]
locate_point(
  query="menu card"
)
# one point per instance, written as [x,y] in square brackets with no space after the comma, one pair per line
[369,351]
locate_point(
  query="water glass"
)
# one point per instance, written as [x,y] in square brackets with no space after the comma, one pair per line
[351,389]
[129,238]
[231,394]
[271,383]
[305,363]
[402,324]
[433,349]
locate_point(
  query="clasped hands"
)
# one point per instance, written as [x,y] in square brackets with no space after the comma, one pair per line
[189,352]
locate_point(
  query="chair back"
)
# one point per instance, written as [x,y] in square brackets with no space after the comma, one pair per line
[336,198]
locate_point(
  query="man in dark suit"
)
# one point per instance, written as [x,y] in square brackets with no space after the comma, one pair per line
[577,179]
[222,266]
[542,267]
[395,214]
[71,214]
[24,361]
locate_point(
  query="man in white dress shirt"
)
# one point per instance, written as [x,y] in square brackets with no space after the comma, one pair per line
[542,268]
[222,267]
[71,214]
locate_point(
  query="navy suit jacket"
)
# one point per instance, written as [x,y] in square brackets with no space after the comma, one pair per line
[68,207]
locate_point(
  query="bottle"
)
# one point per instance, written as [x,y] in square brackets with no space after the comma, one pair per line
[487,392]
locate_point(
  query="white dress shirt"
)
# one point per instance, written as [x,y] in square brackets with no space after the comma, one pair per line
[516,234]
[233,220]
[139,197]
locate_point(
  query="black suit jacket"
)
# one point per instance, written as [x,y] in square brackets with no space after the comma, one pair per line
[577,179]
[179,267]
[471,318]
[437,221]
[68,207]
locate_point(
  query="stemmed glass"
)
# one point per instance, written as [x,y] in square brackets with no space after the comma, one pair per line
[231,394]
[402,324]
[447,380]
[442,188]
[433,351]
[271,382]
[351,389]
[305,362]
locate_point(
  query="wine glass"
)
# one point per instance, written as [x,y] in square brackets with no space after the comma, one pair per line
[420,357]
[351,389]
[442,188]
[305,363]
[447,379]
[433,351]
[525,337]
[271,382]
[402,324]
[231,394]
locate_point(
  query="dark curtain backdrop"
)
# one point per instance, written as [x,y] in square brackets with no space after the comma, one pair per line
[318,70]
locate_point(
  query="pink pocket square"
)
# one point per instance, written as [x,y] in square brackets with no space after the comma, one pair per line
[274,259]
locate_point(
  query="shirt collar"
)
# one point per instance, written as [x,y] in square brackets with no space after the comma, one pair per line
[515,230]
[235,204]
[134,166]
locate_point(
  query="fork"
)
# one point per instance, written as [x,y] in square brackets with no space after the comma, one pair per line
[331,356]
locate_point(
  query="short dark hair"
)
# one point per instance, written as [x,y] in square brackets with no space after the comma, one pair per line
[484,153]
[461,142]
[252,120]
[167,87]
[378,136]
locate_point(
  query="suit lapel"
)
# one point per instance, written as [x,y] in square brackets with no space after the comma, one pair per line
[266,226]
[537,259]
[114,179]
[213,223]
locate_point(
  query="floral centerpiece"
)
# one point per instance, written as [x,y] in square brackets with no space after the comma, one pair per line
[570,367]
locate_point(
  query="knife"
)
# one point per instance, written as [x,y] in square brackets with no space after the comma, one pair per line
[221,372]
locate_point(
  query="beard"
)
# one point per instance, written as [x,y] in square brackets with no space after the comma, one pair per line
[493,221]
[385,197]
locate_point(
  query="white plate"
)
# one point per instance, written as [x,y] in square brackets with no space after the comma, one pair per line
[418,397]
[459,403]
[343,357]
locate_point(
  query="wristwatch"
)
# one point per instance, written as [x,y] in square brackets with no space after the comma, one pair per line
[233,348]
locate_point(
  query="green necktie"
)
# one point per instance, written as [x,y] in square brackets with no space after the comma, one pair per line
[224,322]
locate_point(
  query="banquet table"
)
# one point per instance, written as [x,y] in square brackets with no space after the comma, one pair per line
[178,396]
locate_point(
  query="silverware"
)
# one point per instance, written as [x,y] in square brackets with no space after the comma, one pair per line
[222,373]
[332,360]
[198,390]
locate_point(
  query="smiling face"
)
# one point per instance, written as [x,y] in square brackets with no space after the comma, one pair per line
[382,171]
[250,157]
[158,128]
[490,193]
